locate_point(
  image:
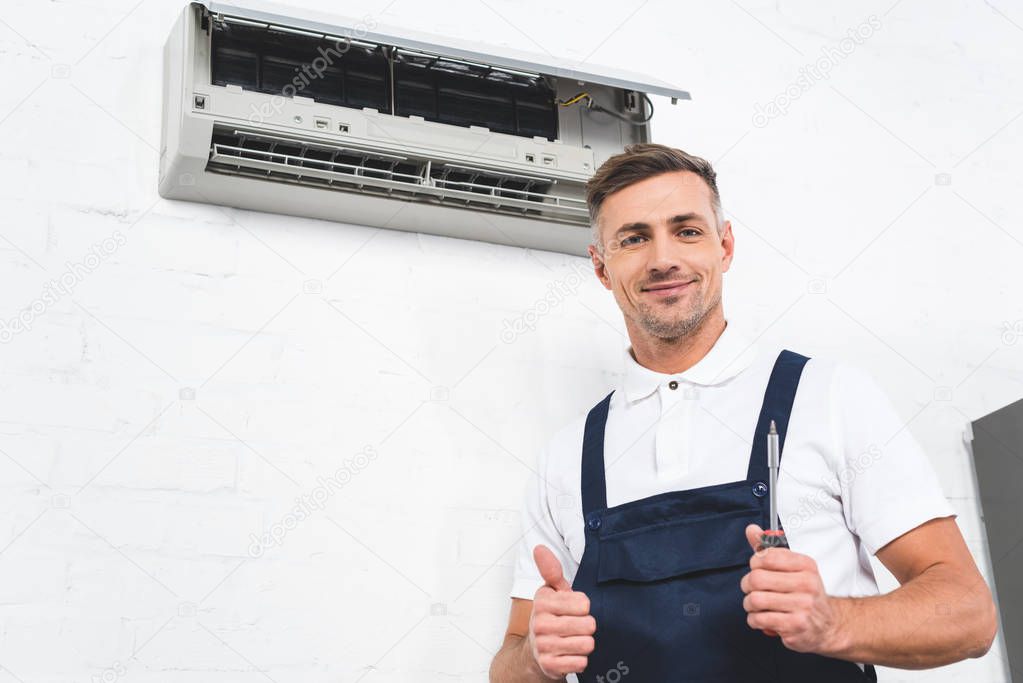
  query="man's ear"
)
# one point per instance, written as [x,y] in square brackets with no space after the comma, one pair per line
[599,267]
[727,245]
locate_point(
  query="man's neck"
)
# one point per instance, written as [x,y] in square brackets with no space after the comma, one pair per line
[678,355]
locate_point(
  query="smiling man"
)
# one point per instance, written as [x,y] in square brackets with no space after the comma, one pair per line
[639,559]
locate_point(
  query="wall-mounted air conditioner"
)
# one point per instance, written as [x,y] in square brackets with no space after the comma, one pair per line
[344,120]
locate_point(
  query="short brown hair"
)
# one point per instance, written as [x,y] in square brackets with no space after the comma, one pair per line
[638,162]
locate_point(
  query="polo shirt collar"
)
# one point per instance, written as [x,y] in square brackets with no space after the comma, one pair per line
[732,353]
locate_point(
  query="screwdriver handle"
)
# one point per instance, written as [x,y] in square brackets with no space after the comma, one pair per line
[773,538]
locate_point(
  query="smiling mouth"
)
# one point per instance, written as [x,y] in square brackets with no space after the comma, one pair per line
[668,289]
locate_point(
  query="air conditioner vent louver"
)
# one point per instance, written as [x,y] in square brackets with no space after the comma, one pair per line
[283,159]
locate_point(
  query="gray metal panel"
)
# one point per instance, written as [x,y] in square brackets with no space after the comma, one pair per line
[351,27]
[998,460]
[379,211]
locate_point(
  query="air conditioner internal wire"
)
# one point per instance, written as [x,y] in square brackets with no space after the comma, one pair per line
[592,104]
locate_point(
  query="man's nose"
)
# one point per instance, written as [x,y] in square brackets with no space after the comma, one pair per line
[663,255]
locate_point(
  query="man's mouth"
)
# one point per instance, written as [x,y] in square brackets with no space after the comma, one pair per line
[665,289]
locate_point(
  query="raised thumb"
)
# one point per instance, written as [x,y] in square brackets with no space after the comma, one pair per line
[550,568]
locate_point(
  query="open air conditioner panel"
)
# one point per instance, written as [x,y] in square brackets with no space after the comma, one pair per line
[270,60]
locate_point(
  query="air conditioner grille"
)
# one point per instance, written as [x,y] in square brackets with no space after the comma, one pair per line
[256,154]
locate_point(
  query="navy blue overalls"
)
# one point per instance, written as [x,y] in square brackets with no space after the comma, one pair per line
[662,573]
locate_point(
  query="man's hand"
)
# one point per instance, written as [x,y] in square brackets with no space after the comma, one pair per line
[785,597]
[560,628]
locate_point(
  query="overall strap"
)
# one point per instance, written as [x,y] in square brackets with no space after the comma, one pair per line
[777,406]
[593,486]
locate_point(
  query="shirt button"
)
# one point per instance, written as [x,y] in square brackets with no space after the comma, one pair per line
[673,384]
[760,489]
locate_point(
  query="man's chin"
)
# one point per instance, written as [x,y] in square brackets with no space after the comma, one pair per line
[669,327]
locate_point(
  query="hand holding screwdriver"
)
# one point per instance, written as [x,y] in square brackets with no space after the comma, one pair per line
[785,595]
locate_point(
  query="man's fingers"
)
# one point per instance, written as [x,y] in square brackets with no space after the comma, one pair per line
[779,582]
[554,625]
[782,560]
[561,602]
[771,623]
[550,568]
[767,601]
[559,646]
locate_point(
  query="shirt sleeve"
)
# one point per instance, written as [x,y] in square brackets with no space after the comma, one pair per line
[888,485]
[538,527]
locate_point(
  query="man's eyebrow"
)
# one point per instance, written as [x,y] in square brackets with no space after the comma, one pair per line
[640,225]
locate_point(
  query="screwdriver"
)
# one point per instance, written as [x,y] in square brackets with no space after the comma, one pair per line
[773,537]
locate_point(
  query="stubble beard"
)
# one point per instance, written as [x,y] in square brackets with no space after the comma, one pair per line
[664,321]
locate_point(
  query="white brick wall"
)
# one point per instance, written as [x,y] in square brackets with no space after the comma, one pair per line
[188,391]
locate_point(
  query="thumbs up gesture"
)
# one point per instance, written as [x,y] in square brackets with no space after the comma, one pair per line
[561,627]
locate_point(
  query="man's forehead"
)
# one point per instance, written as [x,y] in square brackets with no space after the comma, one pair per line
[660,198]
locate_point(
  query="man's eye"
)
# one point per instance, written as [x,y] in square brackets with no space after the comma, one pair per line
[695,232]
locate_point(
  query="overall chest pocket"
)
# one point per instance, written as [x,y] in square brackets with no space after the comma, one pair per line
[667,596]
[676,547]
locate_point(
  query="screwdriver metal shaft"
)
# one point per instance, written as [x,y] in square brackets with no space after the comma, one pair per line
[773,537]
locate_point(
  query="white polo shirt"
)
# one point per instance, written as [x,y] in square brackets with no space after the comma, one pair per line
[852,476]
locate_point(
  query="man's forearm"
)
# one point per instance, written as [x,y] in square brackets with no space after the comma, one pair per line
[515,664]
[933,620]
